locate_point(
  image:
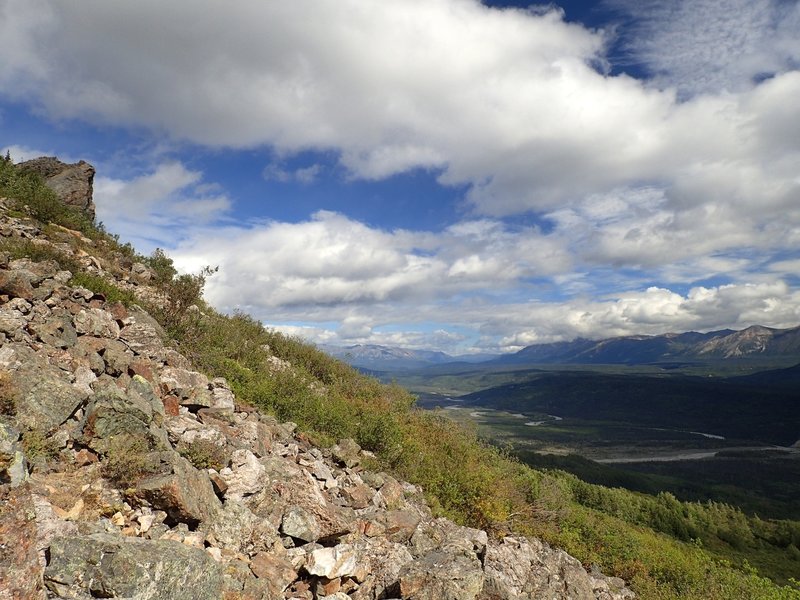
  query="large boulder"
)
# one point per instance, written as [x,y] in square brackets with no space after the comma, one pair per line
[72,183]
[529,568]
[108,566]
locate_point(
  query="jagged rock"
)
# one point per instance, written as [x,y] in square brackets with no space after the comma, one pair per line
[347,452]
[12,322]
[251,434]
[72,183]
[96,322]
[245,476]
[183,492]
[521,568]
[301,524]
[57,331]
[108,566]
[441,533]
[117,357]
[235,528]
[48,402]
[339,561]
[441,575]
[357,496]
[276,570]
[143,334]
[13,464]
[380,562]
[291,485]
[17,284]
[21,572]
[115,412]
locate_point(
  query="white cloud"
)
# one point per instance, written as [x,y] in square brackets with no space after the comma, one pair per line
[653,311]
[275,171]
[704,46]
[507,102]
[332,260]
[158,208]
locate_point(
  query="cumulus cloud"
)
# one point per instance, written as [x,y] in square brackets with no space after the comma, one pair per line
[687,176]
[508,102]
[158,208]
[653,311]
[333,260]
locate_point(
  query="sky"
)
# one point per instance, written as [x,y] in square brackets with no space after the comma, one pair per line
[454,175]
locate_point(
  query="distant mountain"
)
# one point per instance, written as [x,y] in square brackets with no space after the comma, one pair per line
[677,348]
[391,358]
[752,342]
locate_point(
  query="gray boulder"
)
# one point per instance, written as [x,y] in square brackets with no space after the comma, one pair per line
[72,183]
[109,566]
[443,575]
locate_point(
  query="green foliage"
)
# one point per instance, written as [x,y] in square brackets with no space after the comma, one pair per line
[179,312]
[23,248]
[631,535]
[100,285]
[204,454]
[162,266]
[38,447]
[8,395]
[127,461]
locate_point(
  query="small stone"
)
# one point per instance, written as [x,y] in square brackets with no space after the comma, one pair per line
[85,457]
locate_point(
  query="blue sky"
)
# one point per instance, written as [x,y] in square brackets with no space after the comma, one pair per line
[442,174]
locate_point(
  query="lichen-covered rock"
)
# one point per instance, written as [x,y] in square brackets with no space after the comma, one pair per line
[115,412]
[347,452]
[109,566]
[183,492]
[20,570]
[441,575]
[522,568]
[96,322]
[13,465]
[245,476]
[48,400]
[301,524]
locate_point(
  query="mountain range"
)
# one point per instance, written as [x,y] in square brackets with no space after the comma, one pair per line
[754,342]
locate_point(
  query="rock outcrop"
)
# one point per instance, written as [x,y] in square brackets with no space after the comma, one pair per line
[126,474]
[72,183]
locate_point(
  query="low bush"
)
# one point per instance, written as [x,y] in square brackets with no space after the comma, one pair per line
[8,395]
[127,460]
[204,454]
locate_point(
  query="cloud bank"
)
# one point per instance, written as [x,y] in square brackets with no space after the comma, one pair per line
[665,202]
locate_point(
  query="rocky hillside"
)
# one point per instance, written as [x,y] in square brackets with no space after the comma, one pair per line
[128,474]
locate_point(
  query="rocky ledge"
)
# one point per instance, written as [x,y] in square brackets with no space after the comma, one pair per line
[126,474]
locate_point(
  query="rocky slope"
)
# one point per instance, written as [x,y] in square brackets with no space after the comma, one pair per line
[126,474]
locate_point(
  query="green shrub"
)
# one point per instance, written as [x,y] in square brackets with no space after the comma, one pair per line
[100,285]
[127,460]
[204,454]
[8,395]
[38,447]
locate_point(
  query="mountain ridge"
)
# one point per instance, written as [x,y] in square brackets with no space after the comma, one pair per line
[756,341]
